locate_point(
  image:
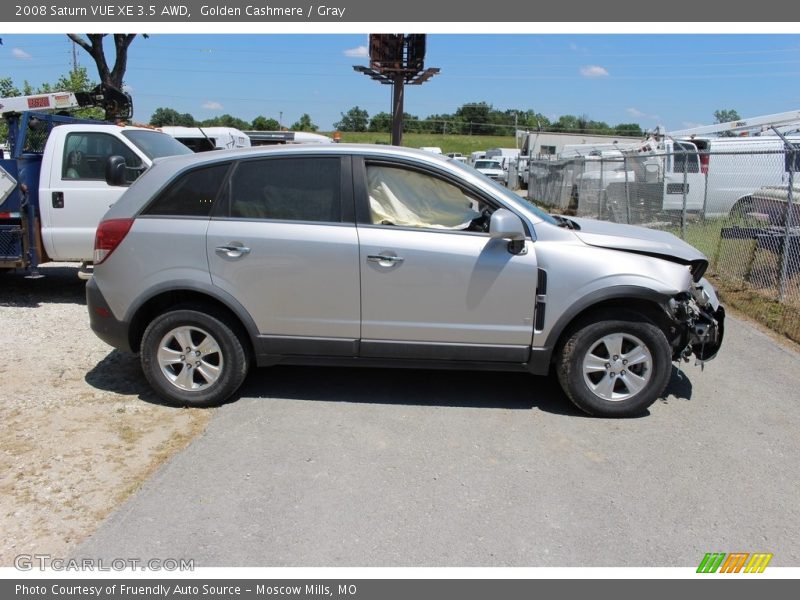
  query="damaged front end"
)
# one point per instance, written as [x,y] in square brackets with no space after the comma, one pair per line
[699,321]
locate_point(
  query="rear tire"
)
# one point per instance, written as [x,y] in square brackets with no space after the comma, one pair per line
[193,358]
[616,367]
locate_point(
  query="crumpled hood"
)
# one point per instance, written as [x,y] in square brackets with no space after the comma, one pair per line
[636,239]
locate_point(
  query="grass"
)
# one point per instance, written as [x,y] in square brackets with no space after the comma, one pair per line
[465,144]
[746,278]
[782,318]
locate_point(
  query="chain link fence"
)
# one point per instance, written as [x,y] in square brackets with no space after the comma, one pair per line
[740,207]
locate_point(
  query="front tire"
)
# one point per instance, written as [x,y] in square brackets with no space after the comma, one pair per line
[193,358]
[616,367]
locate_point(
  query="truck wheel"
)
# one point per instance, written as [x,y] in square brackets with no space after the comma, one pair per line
[192,358]
[615,367]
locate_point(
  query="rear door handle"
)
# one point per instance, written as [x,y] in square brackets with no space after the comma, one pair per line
[232,251]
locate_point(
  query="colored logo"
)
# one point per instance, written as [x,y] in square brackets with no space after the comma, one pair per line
[736,562]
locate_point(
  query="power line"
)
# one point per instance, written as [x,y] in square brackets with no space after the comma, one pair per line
[346,62]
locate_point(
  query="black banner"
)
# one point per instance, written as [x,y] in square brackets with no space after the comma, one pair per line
[390,589]
[361,11]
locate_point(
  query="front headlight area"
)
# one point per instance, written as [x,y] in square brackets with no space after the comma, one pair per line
[699,320]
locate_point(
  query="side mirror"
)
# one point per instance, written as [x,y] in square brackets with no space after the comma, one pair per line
[115,171]
[505,225]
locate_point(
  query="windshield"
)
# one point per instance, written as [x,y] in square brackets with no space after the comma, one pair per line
[487,164]
[155,144]
[508,195]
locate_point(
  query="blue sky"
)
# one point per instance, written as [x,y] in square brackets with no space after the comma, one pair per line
[674,80]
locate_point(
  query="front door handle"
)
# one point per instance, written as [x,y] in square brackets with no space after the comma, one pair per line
[232,251]
[385,260]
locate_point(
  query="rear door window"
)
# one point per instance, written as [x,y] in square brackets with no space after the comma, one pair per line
[287,189]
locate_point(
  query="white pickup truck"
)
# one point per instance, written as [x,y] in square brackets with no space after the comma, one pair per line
[53,198]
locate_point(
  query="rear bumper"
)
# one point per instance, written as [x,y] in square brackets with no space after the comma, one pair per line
[102,321]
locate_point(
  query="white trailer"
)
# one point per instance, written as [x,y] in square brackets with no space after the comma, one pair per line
[203,139]
[736,167]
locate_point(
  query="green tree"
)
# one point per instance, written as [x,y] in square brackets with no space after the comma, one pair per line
[355,119]
[598,128]
[262,123]
[78,80]
[473,118]
[8,89]
[629,129]
[381,122]
[566,123]
[726,116]
[226,120]
[581,124]
[169,116]
[531,120]
[304,124]
[411,123]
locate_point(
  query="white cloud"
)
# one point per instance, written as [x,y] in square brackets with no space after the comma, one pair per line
[638,114]
[358,52]
[20,54]
[211,105]
[594,71]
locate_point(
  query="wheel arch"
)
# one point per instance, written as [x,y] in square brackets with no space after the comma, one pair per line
[190,297]
[645,302]
[742,206]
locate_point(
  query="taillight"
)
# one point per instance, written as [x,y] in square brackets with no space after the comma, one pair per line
[109,235]
[704,156]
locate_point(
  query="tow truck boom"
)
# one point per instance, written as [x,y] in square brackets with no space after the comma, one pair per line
[117,104]
[761,123]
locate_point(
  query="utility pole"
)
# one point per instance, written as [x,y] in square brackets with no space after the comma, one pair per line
[74,57]
[397,109]
[397,59]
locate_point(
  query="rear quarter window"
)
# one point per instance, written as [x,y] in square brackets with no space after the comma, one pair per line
[192,194]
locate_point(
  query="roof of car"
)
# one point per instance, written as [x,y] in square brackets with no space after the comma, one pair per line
[181,161]
[167,168]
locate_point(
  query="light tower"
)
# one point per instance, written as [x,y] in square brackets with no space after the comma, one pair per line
[397,59]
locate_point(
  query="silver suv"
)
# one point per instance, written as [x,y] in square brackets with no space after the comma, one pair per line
[374,255]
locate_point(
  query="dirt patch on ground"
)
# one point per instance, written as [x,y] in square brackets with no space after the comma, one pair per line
[80,429]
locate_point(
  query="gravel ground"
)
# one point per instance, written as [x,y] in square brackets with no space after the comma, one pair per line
[79,428]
